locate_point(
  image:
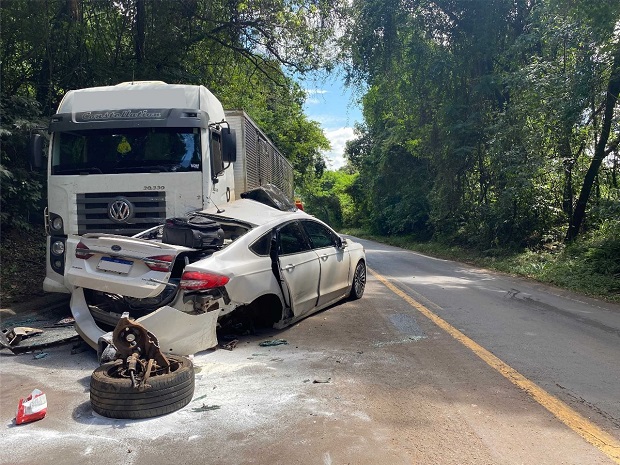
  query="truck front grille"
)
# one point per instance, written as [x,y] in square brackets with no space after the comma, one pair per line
[149,209]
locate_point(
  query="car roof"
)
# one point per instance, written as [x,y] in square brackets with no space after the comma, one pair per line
[253,212]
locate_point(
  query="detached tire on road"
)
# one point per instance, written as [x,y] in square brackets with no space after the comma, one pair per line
[114,397]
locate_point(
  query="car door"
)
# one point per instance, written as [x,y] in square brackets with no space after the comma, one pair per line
[334,261]
[299,268]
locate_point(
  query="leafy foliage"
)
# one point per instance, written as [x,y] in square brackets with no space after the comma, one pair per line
[328,197]
[487,123]
[21,201]
[241,50]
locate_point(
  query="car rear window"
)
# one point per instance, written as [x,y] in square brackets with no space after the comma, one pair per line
[261,246]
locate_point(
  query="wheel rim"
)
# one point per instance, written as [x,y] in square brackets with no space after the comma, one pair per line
[359,280]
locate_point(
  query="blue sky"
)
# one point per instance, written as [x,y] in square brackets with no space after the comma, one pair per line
[331,104]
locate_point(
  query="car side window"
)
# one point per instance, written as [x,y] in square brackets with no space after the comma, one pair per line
[320,236]
[292,239]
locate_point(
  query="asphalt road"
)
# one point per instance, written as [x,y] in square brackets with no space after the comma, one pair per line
[439,363]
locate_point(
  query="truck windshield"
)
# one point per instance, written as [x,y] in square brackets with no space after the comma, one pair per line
[127,150]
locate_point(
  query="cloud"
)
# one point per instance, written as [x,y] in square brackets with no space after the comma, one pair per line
[332,121]
[337,138]
[315,96]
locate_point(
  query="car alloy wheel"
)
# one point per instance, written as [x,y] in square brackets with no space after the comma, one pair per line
[359,281]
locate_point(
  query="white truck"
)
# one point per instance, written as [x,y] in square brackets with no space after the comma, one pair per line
[124,158]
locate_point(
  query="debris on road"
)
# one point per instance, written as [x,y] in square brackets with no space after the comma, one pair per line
[33,408]
[13,336]
[39,343]
[18,338]
[79,347]
[69,321]
[206,408]
[322,381]
[274,342]
[40,355]
[230,345]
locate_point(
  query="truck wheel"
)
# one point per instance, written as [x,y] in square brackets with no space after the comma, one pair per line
[359,281]
[115,397]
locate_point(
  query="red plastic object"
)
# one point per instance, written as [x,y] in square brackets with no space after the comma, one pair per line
[33,408]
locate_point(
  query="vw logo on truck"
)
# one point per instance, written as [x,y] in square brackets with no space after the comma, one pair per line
[120,210]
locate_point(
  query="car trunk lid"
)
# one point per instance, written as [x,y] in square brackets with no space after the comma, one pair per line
[123,265]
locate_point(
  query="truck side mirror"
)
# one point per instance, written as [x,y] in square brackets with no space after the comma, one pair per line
[229,145]
[217,163]
[36,151]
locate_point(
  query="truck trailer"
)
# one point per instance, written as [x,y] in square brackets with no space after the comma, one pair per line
[124,158]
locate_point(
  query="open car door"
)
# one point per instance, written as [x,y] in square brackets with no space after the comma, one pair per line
[299,269]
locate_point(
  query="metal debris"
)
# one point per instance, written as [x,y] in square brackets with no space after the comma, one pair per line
[13,336]
[38,343]
[139,351]
[65,322]
[230,345]
[206,408]
[273,342]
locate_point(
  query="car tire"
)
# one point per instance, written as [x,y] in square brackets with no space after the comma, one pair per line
[359,281]
[114,397]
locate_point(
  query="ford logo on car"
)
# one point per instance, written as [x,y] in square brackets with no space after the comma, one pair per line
[116,248]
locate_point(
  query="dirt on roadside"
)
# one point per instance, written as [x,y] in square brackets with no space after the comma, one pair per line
[22,254]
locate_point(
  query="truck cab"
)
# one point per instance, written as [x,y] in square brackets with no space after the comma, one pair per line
[124,158]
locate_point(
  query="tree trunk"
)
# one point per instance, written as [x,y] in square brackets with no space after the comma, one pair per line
[568,160]
[140,33]
[611,99]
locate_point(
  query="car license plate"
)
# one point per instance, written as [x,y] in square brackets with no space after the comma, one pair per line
[115,265]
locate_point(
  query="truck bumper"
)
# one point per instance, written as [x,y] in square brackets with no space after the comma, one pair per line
[51,285]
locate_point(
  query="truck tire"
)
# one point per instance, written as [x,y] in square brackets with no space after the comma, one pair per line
[359,281]
[114,397]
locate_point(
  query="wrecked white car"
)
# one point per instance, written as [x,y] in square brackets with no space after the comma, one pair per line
[183,280]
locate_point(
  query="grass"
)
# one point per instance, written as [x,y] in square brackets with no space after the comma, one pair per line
[590,266]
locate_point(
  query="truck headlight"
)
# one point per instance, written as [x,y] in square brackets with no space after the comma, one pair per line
[58,247]
[57,224]
[57,251]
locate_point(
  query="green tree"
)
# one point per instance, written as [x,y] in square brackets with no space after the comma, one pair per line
[240,50]
[507,107]
[53,46]
[21,188]
[327,197]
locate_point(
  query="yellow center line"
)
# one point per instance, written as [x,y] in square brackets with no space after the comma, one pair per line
[606,443]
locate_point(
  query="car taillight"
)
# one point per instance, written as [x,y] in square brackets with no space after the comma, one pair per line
[199,280]
[160,262]
[81,251]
